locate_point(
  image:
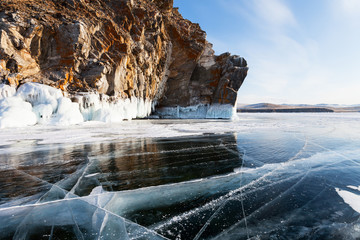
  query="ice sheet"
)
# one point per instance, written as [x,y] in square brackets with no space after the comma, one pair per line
[74,217]
[79,217]
[89,132]
[298,178]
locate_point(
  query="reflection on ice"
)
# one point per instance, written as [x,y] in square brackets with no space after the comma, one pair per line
[295,184]
[85,185]
[68,219]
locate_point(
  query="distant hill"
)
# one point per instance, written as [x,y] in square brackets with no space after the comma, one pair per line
[269,107]
[263,105]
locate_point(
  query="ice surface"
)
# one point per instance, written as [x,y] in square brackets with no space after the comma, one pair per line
[73,217]
[298,179]
[60,213]
[89,132]
[280,182]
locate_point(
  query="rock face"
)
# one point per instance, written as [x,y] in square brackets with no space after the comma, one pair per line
[120,49]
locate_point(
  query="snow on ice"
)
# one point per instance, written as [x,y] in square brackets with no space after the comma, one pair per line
[352,199]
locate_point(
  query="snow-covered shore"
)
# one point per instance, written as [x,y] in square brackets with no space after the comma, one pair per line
[34,103]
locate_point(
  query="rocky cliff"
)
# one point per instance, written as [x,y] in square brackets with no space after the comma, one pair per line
[139,51]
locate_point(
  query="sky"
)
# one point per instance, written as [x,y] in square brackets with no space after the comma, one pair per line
[298,52]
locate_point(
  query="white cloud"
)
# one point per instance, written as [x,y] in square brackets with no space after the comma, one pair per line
[346,12]
[290,60]
[279,62]
[274,12]
[256,98]
[264,13]
[285,65]
[350,6]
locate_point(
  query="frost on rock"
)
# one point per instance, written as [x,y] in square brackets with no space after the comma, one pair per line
[36,94]
[14,112]
[6,91]
[36,103]
[49,104]
[99,108]
[67,113]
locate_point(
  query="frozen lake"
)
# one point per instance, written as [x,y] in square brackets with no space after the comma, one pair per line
[262,176]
